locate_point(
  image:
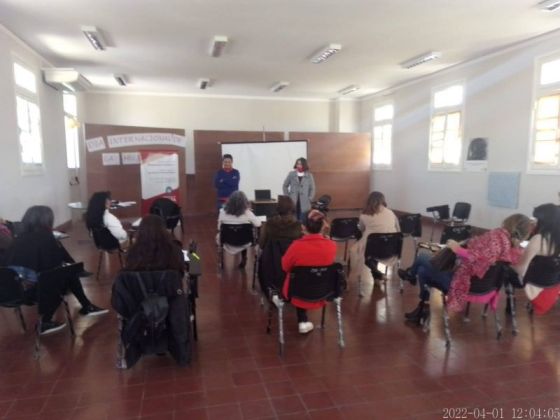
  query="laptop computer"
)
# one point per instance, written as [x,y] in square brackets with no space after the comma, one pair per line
[262,195]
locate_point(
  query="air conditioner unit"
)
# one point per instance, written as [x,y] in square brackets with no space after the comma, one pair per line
[68,80]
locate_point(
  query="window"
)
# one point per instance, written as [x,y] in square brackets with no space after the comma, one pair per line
[71,125]
[446,128]
[545,148]
[382,136]
[28,120]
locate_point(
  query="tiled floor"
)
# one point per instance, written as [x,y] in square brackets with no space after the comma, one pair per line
[388,370]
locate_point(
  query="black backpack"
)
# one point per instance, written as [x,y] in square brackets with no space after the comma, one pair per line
[149,324]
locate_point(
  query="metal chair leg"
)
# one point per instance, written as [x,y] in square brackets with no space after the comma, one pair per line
[21,319]
[446,329]
[69,318]
[511,300]
[485,311]
[280,306]
[37,350]
[345,250]
[323,317]
[254,271]
[337,302]
[498,325]
[466,315]
[269,324]
[99,260]
[121,361]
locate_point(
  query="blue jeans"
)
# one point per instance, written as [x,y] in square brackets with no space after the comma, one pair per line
[429,277]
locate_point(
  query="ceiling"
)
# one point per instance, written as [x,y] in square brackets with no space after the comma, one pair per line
[162,46]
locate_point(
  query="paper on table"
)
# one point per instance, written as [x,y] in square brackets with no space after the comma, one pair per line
[136,223]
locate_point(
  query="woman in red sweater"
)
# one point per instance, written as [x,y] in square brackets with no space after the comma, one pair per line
[311,250]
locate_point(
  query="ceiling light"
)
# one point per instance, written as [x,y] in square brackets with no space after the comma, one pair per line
[218,44]
[277,87]
[549,5]
[94,36]
[348,89]
[203,83]
[421,59]
[325,53]
[121,79]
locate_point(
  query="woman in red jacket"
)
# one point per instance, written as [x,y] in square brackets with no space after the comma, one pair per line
[311,250]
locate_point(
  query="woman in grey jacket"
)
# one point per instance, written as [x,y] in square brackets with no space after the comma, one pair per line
[300,186]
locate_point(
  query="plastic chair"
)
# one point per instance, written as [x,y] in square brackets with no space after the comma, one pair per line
[411,226]
[12,293]
[439,215]
[235,235]
[105,243]
[461,212]
[544,273]
[344,229]
[271,275]
[383,246]
[458,233]
[169,211]
[312,284]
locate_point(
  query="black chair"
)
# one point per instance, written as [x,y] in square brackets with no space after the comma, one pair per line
[128,299]
[105,243]
[169,211]
[492,282]
[461,213]
[344,229]
[383,246]
[411,226]
[312,284]
[12,293]
[235,235]
[271,276]
[458,233]
[543,272]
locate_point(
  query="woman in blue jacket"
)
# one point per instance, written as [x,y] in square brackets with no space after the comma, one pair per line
[226,180]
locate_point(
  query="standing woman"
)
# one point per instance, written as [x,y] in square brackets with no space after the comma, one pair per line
[375,218]
[99,216]
[299,185]
[226,180]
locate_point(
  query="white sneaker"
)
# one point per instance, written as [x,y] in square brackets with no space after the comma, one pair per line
[305,327]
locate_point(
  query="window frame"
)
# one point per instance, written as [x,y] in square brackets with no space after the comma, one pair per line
[28,168]
[391,121]
[447,110]
[541,91]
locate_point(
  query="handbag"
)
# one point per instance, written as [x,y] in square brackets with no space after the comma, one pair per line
[444,260]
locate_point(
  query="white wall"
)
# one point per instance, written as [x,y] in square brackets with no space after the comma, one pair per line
[19,192]
[217,113]
[498,105]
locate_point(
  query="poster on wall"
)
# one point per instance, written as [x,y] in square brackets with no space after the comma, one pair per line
[159,176]
[477,155]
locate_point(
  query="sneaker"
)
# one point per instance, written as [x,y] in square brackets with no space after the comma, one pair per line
[93,310]
[407,276]
[49,327]
[305,327]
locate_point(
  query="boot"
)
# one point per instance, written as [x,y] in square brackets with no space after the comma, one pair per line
[416,313]
[406,275]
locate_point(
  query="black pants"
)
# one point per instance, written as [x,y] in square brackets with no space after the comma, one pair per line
[301,315]
[49,296]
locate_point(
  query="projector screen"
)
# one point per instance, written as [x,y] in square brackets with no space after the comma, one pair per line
[264,165]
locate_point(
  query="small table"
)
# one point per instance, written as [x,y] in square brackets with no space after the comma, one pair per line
[264,207]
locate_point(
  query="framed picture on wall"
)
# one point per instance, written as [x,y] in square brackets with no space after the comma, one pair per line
[477,155]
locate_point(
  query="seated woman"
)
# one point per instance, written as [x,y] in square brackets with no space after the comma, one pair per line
[501,244]
[545,242]
[99,216]
[36,250]
[283,225]
[237,212]
[375,218]
[311,250]
[154,248]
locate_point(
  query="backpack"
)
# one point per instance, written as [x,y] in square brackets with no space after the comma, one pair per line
[149,324]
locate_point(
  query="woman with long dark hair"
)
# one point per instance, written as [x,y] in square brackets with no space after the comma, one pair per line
[154,248]
[299,185]
[98,216]
[237,212]
[36,250]
[375,218]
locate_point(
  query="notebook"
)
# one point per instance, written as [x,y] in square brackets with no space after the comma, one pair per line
[262,195]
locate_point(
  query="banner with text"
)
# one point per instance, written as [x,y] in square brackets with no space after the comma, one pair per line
[159,174]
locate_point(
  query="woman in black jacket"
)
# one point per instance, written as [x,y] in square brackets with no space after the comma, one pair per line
[36,250]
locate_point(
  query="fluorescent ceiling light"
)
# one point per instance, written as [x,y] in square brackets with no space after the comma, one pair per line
[421,59]
[121,79]
[277,87]
[203,83]
[549,5]
[348,89]
[325,53]
[218,45]
[95,38]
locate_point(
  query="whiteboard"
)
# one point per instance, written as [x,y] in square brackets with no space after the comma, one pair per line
[264,165]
